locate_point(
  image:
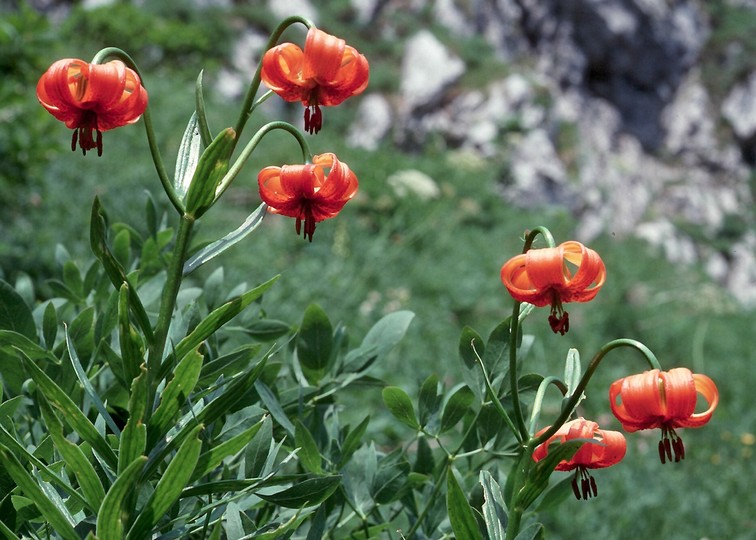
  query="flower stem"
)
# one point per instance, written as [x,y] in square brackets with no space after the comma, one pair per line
[119,54]
[252,144]
[254,85]
[514,331]
[167,305]
[580,388]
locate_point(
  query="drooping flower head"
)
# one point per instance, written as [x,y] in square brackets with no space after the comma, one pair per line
[306,192]
[569,272]
[327,72]
[92,98]
[665,400]
[607,449]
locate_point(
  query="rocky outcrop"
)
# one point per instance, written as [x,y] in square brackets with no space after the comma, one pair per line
[603,112]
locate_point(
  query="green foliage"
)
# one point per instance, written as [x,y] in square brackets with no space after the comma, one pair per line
[261,420]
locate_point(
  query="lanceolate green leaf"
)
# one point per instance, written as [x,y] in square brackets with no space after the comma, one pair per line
[226,399]
[77,461]
[71,412]
[309,455]
[110,518]
[114,270]
[187,158]
[31,488]
[234,237]
[88,388]
[169,487]
[133,439]
[494,509]
[131,355]
[174,396]
[217,453]
[460,512]
[13,340]
[310,492]
[17,448]
[215,320]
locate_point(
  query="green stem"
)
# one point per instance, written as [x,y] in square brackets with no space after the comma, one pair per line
[252,144]
[497,404]
[538,401]
[568,407]
[254,85]
[432,499]
[513,383]
[514,331]
[115,52]
[167,305]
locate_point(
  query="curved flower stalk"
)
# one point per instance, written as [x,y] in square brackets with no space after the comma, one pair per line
[306,192]
[603,449]
[92,98]
[553,276]
[665,400]
[327,72]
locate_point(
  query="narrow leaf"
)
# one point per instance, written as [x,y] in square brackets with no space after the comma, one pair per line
[217,319]
[211,251]
[110,518]
[71,412]
[199,102]
[169,487]
[29,486]
[133,439]
[400,405]
[14,446]
[460,512]
[211,168]
[352,441]
[188,157]
[173,397]
[88,388]
[113,269]
[236,390]
[310,492]
[74,457]
[218,452]
[308,454]
[531,532]
[494,509]
[131,353]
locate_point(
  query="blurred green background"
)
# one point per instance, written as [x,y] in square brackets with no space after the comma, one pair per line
[439,258]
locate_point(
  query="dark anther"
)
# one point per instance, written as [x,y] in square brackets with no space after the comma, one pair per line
[560,324]
[575,488]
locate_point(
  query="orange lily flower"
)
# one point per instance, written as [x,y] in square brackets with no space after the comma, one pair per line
[305,192]
[666,400]
[92,98]
[327,72]
[569,272]
[604,449]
